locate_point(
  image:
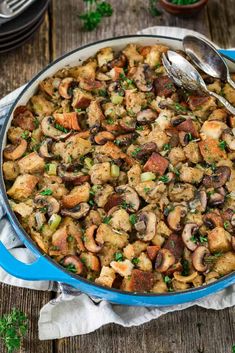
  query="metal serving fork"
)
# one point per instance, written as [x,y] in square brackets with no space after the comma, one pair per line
[12,8]
[186,76]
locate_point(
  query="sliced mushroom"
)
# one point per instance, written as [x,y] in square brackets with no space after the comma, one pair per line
[40,219]
[218,179]
[130,197]
[175,217]
[198,258]
[146,149]
[75,262]
[103,136]
[44,150]
[126,140]
[74,178]
[49,130]
[164,260]
[76,212]
[200,201]
[185,279]
[119,61]
[233,242]
[146,225]
[89,239]
[66,87]
[189,230]
[229,138]
[50,203]
[146,116]
[212,220]
[113,201]
[175,121]
[143,78]
[216,199]
[128,123]
[13,152]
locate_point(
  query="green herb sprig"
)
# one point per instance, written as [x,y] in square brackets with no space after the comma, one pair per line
[183,2]
[13,327]
[96,11]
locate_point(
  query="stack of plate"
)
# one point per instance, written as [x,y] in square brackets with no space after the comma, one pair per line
[16,32]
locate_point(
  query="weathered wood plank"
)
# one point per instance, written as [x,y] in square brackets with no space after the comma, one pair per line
[193,330]
[17,67]
[221,18]
[30,302]
[128,18]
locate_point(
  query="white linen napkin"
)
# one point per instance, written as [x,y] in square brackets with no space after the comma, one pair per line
[74,313]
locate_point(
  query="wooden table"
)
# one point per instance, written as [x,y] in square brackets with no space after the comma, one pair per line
[191,331]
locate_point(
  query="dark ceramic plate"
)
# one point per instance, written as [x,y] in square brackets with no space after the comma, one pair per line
[27,19]
[17,42]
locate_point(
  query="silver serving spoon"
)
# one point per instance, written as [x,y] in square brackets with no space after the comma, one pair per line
[206,57]
[185,75]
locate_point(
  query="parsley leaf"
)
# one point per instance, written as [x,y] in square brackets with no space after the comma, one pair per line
[46,192]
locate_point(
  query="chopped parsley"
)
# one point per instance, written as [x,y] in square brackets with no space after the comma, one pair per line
[102,92]
[166,147]
[43,209]
[180,108]
[168,209]
[202,239]
[91,202]
[185,264]
[107,219]
[135,261]
[25,135]
[125,205]
[78,110]
[118,256]
[133,219]
[167,279]
[189,136]
[226,225]
[136,151]
[222,145]
[164,179]
[70,238]
[139,128]
[146,189]
[61,128]
[110,121]
[46,192]
[71,268]
[36,123]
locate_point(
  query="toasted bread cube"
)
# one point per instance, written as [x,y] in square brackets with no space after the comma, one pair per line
[219,240]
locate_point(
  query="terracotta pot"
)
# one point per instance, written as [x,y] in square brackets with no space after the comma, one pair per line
[183,10]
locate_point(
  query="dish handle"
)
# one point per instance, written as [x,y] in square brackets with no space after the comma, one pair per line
[41,269]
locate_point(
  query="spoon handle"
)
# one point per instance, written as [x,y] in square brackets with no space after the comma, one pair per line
[222,100]
[230,81]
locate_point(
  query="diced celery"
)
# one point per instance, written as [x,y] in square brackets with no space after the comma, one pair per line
[88,162]
[147,176]
[54,221]
[52,169]
[115,171]
[116,99]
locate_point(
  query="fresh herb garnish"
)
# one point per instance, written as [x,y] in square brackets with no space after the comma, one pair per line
[166,147]
[13,327]
[136,151]
[226,225]
[133,219]
[139,128]
[125,205]
[36,123]
[153,9]
[107,219]
[97,10]
[25,135]
[70,238]
[185,264]
[164,178]
[61,128]
[118,256]
[222,145]
[46,192]
[71,268]
[135,261]
[167,279]
[110,121]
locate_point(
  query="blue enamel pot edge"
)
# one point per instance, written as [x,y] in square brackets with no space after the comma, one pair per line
[44,268]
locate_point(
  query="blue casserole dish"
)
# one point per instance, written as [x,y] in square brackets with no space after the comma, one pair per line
[44,268]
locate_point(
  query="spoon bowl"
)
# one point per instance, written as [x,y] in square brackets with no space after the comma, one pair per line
[205,56]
